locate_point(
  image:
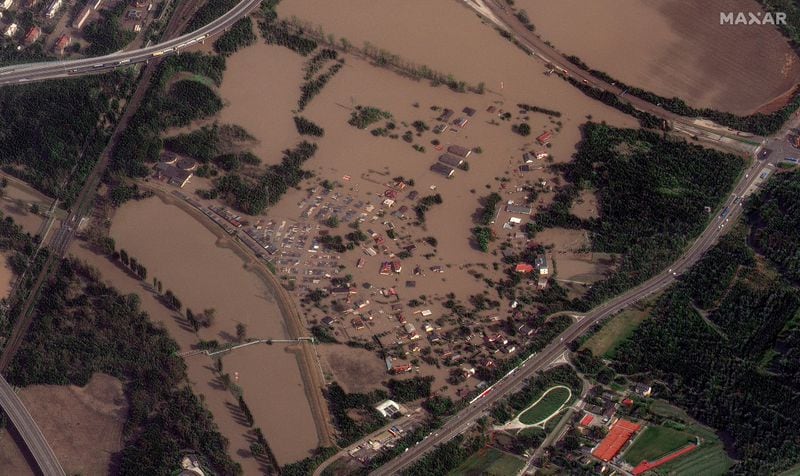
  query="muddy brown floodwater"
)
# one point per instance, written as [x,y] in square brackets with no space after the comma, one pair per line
[674,48]
[183,254]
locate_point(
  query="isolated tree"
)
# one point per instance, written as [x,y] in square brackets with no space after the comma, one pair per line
[241,332]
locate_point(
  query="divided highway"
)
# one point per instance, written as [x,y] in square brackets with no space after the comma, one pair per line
[30,433]
[30,72]
[541,361]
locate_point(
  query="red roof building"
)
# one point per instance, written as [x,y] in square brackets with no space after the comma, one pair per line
[62,42]
[544,139]
[524,268]
[33,34]
[611,445]
[587,420]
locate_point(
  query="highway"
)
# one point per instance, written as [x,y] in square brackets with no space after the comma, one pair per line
[30,72]
[555,349]
[718,225]
[30,433]
[13,407]
[498,12]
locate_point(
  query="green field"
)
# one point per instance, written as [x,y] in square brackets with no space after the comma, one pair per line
[489,462]
[655,442]
[708,459]
[605,341]
[547,405]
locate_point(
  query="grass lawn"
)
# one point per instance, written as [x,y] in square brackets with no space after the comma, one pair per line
[708,459]
[605,341]
[655,442]
[489,462]
[548,404]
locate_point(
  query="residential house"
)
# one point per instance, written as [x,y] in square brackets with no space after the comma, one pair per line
[62,43]
[460,151]
[518,209]
[451,160]
[446,115]
[172,175]
[33,34]
[52,8]
[545,138]
[442,169]
[83,15]
[523,268]
[541,265]
[643,389]
[11,30]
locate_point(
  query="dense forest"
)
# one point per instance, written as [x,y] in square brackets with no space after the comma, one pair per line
[141,142]
[54,131]
[83,326]
[342,403]
[651,193]
[240,35]
[252,196]
[775,215]
[107,35]
[723,343]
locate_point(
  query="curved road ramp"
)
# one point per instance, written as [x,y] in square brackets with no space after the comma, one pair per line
[30,433]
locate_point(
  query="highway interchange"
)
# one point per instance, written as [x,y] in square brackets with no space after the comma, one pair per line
[20,418]
[30,72]
[20,74]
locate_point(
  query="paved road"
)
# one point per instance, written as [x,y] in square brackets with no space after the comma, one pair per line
[30,72]
[498,12]
[718,225]
[30,433]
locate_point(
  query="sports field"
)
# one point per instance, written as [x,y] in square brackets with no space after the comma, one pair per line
[548,404]
[489,462]
[655,442]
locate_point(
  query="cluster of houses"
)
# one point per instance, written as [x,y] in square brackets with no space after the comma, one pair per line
[449,161]
[174,169]
[539,268]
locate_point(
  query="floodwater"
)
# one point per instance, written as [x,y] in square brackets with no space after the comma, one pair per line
[183,254]
[260,89]
[472,52]
[674,48]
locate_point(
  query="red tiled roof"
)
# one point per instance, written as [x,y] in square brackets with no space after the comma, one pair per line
[620,433]
[587,420]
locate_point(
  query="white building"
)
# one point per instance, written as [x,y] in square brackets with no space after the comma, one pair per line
[11,30]
[52,8]
[6,4]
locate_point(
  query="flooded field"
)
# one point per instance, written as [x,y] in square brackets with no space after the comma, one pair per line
[361,165]
[575,265]
[94,416]
[183,254]
[260,91]
[674,48]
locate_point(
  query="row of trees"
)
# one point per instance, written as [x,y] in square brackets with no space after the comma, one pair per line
[756,123]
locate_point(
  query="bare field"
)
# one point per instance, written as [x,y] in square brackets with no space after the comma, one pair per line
[356,370]
[674,48]
[82,424]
